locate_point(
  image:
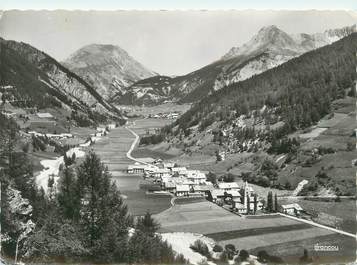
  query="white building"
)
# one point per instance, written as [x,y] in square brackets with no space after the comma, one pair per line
[140,168]
[181,171]
[168,165]
[233,195]
[159,172]
[134,169]
[203,189]
[169,186]
[196,176]
[226,186]
[239,207]
[112,126]
[182,190]
[44,115]
[216,194]
[291,209]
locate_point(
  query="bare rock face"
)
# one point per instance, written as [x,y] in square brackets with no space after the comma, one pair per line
[21,211]
[275,47]
[108,68]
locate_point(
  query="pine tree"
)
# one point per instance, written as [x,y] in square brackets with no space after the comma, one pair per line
[255,203]
[67,196]
[51,187]
[248,204]
[73,157]
[270,202]
[103,216]
[276,206]
[147,224]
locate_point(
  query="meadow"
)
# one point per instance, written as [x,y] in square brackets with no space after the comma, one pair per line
[268,232]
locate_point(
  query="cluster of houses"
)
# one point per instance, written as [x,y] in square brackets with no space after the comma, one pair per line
[181,182]
[167,115]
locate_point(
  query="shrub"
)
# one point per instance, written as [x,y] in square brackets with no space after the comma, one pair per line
[224,256]
[25,147]
[288,185]
[243,254]
[264,257]
[38,144]
[230,250]
[230,247]
[228,178]
[217,248]
[200,247]
[152,139]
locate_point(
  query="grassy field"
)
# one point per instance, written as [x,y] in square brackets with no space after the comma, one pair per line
[146,152]
[270,232]
[241,233]
[139,202]
[291,251]
[346,210]
[189,200]
[163,108]
[112,149]
[265,240]
[208,218]
[144,126]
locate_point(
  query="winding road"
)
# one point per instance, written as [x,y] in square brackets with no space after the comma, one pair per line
[136,140]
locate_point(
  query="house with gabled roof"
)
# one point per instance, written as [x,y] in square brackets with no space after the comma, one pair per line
[215,195]
[182,190]
[226,186]
[291,209]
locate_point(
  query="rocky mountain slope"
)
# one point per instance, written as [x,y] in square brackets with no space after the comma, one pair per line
[31,78]
[286,125]
[269,48]
[108,68]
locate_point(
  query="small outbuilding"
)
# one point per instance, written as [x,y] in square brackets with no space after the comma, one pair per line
[291,209]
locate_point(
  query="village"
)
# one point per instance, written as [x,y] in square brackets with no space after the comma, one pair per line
[182,182]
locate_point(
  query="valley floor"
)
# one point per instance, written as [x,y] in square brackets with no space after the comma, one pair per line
[276,234]
[113,150]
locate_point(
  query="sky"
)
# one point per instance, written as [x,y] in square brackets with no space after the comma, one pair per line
[179,4]
[167,42]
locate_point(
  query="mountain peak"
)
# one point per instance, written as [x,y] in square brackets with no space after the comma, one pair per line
[268,38]
[96,51]
[107,67]
[269,29]
[273,36]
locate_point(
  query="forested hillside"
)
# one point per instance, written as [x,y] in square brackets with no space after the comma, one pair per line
[290,123]
[83,218]
[30,78]
[299,91]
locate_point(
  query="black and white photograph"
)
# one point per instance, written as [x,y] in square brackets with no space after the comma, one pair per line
[216,134]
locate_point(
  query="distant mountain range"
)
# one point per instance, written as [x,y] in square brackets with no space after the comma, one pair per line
[31,78]
[108,68]
[269,48]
